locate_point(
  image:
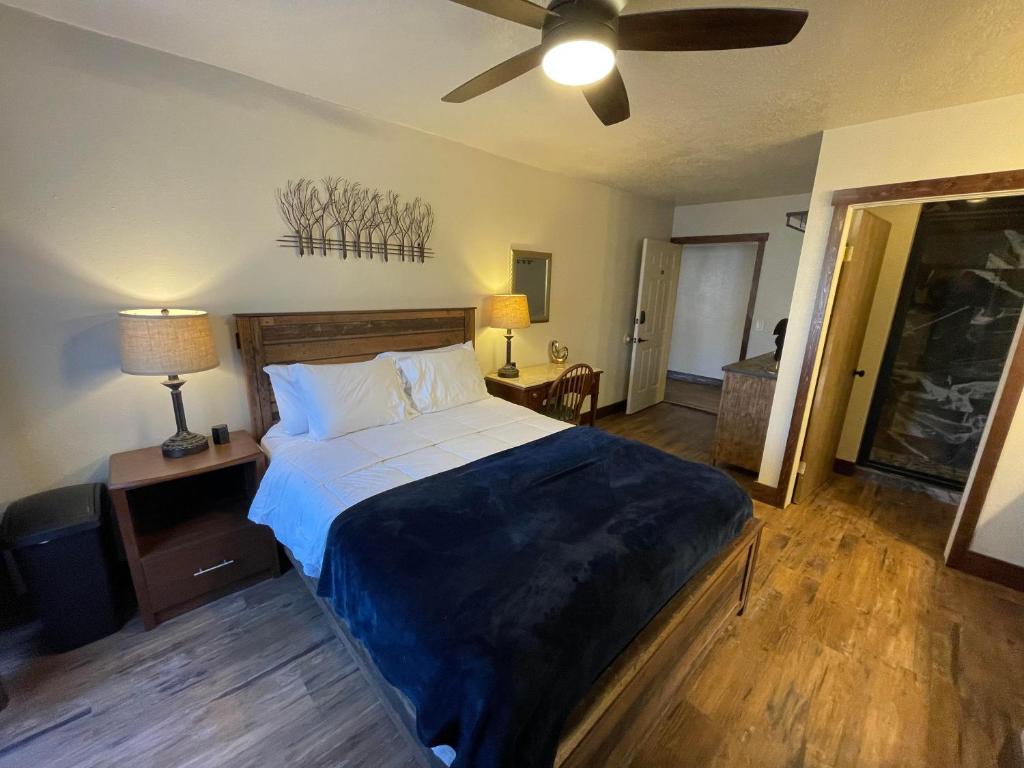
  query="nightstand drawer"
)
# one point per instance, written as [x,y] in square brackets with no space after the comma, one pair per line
[531,397]
[187,572]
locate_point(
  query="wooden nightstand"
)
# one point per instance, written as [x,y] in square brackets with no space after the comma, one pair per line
[532,386]
[184,525]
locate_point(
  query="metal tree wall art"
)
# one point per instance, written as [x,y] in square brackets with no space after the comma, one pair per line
[340,216]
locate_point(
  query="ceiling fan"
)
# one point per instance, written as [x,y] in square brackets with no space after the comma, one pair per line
[579,39]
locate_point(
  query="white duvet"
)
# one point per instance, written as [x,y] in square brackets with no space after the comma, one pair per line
[310,483]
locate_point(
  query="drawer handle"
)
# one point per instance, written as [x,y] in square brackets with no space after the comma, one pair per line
[201,571]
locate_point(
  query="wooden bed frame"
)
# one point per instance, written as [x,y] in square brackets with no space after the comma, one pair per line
[610,723]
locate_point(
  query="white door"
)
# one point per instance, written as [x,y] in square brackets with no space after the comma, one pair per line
[652,324]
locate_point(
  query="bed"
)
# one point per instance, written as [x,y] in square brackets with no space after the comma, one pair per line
[632,692]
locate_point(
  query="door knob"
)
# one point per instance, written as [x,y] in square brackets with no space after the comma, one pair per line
[859,372]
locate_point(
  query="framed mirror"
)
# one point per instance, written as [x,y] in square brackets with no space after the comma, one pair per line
[531,274]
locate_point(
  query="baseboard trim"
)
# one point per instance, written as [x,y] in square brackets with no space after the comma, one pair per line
[766,494]
[844,467]
[693,378]
[691,406]
[990,569]
[611,408]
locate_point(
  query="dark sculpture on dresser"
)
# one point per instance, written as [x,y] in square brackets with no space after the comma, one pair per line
[780,338]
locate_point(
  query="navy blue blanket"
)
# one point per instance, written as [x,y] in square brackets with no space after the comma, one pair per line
[494,595]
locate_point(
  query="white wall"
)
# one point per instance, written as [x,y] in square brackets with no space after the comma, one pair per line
[131,178]
[781,253]
[974,138]
[903,219]
[711,307]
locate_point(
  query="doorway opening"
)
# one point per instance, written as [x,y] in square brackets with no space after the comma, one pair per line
[949,338]
[713,316]
[925,309]
[700,311]
[984,481]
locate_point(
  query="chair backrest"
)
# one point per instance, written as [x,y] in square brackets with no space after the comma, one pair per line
[567,393]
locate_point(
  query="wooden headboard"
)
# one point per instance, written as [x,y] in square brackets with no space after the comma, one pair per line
[336,337]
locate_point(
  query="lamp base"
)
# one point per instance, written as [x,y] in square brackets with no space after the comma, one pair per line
[184,444]
[508,371]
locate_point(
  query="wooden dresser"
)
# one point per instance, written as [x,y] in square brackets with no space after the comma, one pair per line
[532,386]
[747,393]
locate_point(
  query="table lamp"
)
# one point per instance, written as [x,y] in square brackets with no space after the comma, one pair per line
[508,311]
[169,342]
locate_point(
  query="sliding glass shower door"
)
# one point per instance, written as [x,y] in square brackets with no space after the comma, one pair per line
[958,310]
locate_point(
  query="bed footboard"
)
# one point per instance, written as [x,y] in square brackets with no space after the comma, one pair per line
[609,725]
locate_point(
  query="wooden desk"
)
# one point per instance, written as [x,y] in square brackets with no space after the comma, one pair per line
[532,386]
[184,525]
[747,393]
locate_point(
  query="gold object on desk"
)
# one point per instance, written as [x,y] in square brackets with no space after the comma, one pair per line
[747,393]
[531,387]
[558,352]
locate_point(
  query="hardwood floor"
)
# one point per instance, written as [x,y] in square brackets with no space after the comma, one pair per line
[859,648]
[254,679]
[685,432]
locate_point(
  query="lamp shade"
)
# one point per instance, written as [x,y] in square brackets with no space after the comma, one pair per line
[510,310]
[165,342]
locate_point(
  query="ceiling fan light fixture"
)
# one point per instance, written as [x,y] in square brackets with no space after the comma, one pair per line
[579,41]
[578,62]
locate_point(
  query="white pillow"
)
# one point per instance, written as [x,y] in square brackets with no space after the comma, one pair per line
[346,398]
[443,380]
[398,356]
[290,407]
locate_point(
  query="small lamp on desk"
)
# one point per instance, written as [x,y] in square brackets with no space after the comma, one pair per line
[508,311]
[169,342]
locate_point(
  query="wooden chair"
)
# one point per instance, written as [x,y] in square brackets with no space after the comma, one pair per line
[565,397]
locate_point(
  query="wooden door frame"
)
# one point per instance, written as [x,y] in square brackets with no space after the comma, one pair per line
[843,201]
[959,554]
[758,238]
[854,226]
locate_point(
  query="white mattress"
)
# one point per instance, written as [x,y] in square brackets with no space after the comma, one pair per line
[309,483]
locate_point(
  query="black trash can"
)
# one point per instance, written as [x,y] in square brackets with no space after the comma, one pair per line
[65,549]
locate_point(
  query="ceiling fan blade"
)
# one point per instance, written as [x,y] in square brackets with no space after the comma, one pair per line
[519,11]
[709,29]
[608,98]
[508,70]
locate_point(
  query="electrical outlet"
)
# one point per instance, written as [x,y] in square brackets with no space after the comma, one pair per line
[759,325]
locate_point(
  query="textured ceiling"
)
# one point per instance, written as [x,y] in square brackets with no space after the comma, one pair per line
[705,126]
